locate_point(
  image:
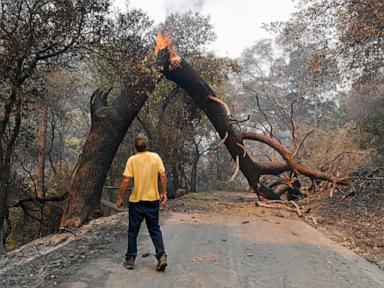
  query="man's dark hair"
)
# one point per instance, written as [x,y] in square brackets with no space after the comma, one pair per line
[141,143]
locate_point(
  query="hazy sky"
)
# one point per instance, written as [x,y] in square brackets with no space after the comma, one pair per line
[237,23]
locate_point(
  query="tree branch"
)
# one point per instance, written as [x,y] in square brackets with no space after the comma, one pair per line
[292,162]
[39,200]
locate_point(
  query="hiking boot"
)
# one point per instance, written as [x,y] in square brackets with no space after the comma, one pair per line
[129,263]
[161,262]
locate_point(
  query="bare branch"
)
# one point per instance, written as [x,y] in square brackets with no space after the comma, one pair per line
[235,121]
[292,161]
[279,205]
[332,189]
[15,132]
[144,126]
[221,102]
[293,126]
[237,168]
[221,141]
[39,200]
[297,208]
[342,153]
[298,147]
[263,113]
[242,147]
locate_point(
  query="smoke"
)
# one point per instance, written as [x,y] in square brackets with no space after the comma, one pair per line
[184,5]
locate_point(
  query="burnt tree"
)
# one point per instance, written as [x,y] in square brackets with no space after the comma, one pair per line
[41,151]
[109,126]
[180,72]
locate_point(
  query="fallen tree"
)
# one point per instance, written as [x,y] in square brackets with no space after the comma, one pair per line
[109,126]
[180,72]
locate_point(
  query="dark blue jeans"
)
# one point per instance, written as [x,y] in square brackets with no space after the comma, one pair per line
[148,210]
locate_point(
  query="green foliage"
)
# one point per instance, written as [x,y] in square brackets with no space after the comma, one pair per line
[215,70]
[126,54]
[45,32]
[191,32]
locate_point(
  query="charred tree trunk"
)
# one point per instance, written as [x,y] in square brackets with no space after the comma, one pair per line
[199,91]
[175,177]
[3,206]
[6,150]
[108,128]
[218,113]
[2,239]
[194,175]
[194,167]
[41,148]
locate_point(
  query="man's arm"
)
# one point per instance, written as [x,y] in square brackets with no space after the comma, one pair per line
[163,181]
[123,187]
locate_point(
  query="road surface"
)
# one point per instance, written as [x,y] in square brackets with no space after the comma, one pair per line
[220,250]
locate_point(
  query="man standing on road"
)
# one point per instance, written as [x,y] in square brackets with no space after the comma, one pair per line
[144,167]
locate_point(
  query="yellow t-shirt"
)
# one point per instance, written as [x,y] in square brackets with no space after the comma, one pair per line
[144,167]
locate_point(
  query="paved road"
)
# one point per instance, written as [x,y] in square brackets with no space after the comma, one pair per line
[222,251]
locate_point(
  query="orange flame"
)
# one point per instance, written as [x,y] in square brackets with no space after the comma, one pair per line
[164,42]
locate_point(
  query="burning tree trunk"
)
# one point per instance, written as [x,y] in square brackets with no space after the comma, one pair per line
[109,126]
[179,71]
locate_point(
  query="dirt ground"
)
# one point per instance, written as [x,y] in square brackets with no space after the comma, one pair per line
[356,222]
[213,240]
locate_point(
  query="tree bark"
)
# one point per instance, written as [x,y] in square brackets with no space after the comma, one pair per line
[194,175]
[2,246]
[108,128]
[175,177]
[4,184]
[6,149]
[218,113]
[199,91]
[292,161]
[194,167]
[41,148]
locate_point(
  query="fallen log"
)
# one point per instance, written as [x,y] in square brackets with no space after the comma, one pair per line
[186,77]
[176,69]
